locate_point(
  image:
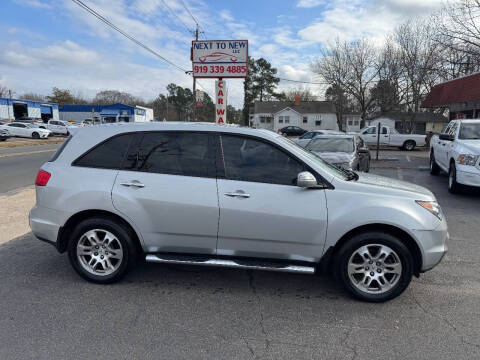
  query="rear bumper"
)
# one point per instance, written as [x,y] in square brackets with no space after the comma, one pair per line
[45,223]
[470,177]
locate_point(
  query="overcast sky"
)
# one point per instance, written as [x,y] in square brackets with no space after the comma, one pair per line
[47,43]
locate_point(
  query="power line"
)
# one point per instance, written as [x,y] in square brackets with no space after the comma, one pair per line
[174,14]
[305,82]
[194,18]
[113,26]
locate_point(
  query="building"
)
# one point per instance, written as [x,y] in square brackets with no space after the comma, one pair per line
[351,122]
[106,113]
[461,97]
[14,109]
[309,115]
[423,122]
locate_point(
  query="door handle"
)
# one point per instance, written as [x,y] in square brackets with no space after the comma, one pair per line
[133,183]
[238,194]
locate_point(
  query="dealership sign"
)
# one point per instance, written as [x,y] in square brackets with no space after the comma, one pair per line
[220,58]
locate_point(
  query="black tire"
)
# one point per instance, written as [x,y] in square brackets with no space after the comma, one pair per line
[3,139]
[370,238]
[35,135]
[453,186]
[409,145]
[124,236]
[434,169]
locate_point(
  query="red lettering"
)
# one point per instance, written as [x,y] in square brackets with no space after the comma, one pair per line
[220,101]
[220,93]
[220,111]
[220,120]
[220,84]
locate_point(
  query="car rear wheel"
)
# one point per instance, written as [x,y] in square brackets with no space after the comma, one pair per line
[409,145]
[35,135]
[434,169]
[101,250]
[374,266]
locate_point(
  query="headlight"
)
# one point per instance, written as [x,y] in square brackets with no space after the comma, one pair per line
[467,159]
[431,206]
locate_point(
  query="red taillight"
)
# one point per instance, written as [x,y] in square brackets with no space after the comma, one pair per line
[42,178]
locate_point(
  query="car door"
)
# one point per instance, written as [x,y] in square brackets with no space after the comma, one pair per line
[441,150]
[448,148]
[369,135]
[14,130]
[167,187]
[385,135]
[262,212]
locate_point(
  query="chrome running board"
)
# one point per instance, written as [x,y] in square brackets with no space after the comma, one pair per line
[237,263]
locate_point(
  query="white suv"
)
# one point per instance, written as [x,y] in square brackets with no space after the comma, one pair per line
[213,195]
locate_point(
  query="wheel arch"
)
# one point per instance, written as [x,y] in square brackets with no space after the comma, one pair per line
[410,140]
[402,235]
[67,228]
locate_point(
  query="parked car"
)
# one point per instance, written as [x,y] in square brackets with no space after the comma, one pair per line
[292,131]
[113,193]
[345,151]
[4,134]
[29,120]
[26,130]
[305,138]
[390,136]
[456,151]
[58,126]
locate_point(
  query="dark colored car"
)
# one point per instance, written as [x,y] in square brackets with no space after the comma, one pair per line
[292,131]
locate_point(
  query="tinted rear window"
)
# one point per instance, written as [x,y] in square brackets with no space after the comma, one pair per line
[106,155]
[173,153]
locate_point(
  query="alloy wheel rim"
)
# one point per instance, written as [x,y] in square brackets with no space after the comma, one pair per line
[374,268]
[99,252]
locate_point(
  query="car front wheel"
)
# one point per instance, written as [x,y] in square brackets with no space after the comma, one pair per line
[101,250]
[434,169]
[35,135]
[409,145]
[453,185]
[374,266]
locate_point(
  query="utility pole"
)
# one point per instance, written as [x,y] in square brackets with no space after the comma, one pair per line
[194,112]
[9,103]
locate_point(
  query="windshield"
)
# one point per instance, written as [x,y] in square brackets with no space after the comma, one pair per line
[29,125]
[469,131]
[331,145]
[327,167]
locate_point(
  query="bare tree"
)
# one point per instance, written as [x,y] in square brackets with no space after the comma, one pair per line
[352,67]
[33,96]
[304,93]
[420,59]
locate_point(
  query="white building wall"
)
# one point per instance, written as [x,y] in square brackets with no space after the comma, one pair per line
[148,113]
[34,112]
[55,114]
[255,120]
[77,116]
[4,112]
[294,119]
[328,121]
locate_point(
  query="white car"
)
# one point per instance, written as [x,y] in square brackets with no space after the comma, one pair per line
[305,138]
[457,152]
[26,130]
[391,137]
[57,127]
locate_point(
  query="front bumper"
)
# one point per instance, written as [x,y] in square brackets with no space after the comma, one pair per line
[433,245]
[468,175]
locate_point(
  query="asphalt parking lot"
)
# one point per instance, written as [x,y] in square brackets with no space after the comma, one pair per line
[157,312]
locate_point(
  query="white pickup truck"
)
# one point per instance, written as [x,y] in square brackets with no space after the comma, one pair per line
[456,151]
[57,126]
[391,137]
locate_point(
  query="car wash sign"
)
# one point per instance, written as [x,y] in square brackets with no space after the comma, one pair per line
[220,58]
[221,102]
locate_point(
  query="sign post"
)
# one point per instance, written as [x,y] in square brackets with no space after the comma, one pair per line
[220,59]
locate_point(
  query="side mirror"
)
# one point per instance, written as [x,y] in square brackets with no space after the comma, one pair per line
[446,137]
[306,180]
[363,150]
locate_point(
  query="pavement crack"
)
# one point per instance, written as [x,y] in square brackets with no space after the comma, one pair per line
[345,343]
[445,321]
[261,320]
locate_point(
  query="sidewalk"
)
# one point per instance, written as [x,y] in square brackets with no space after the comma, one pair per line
[14,213]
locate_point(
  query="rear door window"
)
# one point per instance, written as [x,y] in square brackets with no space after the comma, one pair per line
[173,153]
[108,154]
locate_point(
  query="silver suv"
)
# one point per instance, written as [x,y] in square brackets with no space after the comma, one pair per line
[213,195]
